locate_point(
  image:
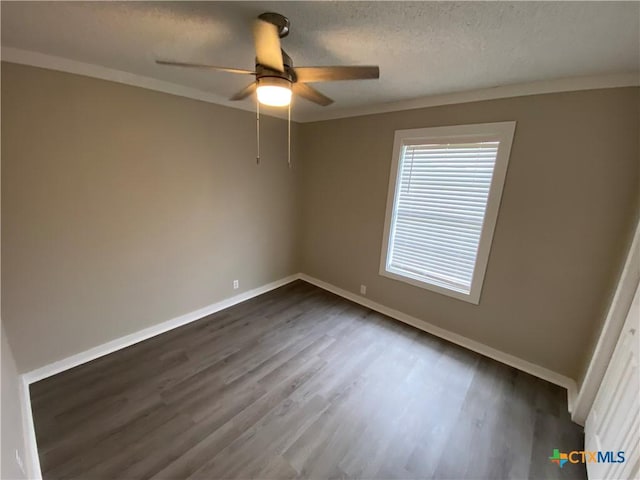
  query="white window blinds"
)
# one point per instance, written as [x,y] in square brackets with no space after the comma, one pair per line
[439,209]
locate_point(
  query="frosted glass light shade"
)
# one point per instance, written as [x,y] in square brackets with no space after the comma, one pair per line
[273,91]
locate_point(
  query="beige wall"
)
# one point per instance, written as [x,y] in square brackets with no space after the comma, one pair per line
[124,207]
[11,416]
[569,201]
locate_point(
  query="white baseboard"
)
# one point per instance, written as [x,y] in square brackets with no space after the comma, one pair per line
[131,339]
[32,461]
[465,342]
[127,340]
[122,342]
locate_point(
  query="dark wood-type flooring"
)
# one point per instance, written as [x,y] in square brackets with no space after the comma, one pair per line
[300,383]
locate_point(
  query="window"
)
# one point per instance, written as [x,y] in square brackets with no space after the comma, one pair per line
[444,193]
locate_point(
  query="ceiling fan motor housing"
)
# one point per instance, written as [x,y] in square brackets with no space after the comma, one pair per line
[274,81]
[288,74]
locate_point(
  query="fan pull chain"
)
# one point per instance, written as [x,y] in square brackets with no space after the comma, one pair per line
[258,131]
[289,136]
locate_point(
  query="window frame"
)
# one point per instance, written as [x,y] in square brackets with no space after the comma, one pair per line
[502,132]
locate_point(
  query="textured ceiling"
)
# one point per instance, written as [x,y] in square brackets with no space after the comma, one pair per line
[423,48]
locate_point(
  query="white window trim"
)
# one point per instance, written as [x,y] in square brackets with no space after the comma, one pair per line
[499,131]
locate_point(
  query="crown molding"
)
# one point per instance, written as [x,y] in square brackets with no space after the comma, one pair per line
[36,59]
[568,84]
[51,62]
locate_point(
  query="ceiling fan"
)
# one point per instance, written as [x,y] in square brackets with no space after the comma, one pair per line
[276,77]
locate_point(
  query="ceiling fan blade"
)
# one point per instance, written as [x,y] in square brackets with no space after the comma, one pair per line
[210,67]
[310,93]
[267,41]
[330,74]
[245,92]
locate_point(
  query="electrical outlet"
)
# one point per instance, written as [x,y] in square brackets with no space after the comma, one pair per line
[236,284]
[363,289]
[19,462]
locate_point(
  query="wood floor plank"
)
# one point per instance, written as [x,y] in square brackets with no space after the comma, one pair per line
[299,383]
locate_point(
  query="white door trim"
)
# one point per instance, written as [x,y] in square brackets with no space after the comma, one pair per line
[610,332]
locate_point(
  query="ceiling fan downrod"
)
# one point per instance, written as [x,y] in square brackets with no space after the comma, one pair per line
[278,20]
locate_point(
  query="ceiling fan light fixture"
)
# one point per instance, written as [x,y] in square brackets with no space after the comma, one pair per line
[274,91]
